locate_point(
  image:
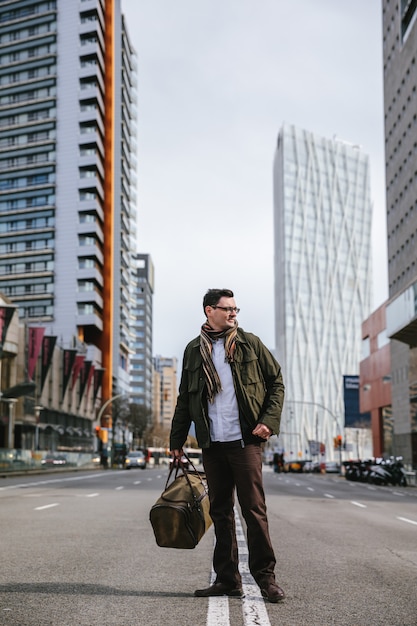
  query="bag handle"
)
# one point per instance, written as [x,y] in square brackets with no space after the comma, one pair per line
[177,465]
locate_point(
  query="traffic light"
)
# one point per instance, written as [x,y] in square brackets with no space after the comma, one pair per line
[337,442]
[102,434]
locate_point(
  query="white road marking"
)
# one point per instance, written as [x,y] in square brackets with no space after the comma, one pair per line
[137,482]
[253,605]
[92,495]
[397,493]
[57,480]
[119,488]
[328,495]
[46,506]
[218,608]
[310,488]
[362,506]
[409,521]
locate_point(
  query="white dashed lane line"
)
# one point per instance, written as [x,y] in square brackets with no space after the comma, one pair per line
[92,495]
[46,506]
[362,506]
[409,521]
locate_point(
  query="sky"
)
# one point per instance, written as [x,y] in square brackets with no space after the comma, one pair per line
[217,79]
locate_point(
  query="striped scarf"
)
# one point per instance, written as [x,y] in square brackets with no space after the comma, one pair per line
[207,336]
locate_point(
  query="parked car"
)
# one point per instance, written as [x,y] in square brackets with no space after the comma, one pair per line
[53,460]
[136,458]
[294,466]
[332,467]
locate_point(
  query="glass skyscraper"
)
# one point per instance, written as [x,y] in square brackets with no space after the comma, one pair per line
[322,224]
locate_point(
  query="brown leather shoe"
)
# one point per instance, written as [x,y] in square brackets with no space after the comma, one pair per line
[219,589]
[272,592]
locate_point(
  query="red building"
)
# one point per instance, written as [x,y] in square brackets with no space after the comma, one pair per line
[375,381]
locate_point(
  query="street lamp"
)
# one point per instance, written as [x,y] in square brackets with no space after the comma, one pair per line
[100,414]
[10,439]
[38,409]
[106,404]
[322,406]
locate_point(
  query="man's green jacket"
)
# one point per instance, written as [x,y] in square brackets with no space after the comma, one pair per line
[258,385]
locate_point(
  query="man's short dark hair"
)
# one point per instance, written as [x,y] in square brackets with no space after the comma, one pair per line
[213,296]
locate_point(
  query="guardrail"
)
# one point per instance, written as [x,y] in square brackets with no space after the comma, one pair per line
[12,460]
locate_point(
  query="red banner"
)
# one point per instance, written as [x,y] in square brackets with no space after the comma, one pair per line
[48,346]
[69,358]
[98,379]
[79,361]
[84,377]
[90,378]
[35,343]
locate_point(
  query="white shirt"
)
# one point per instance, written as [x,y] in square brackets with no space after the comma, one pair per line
[224,412]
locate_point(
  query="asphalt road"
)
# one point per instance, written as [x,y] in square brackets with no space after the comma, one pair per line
[77,549]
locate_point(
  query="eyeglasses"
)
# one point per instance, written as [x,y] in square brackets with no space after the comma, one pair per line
[228,309]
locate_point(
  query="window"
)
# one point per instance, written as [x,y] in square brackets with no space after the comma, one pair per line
[366,347]
[408,13]
[382,339]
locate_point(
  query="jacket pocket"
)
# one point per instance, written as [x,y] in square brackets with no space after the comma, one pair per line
[193,378]
[251,373]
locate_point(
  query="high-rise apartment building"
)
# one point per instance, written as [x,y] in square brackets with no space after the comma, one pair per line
[400,85]
[323,215]
[166,378]
[141,362]
[67,216]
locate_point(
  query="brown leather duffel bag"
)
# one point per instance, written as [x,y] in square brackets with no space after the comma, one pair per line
[180,516]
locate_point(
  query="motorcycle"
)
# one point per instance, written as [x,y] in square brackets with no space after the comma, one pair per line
[377,471]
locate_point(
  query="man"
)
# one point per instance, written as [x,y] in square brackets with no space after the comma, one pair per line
[231,388]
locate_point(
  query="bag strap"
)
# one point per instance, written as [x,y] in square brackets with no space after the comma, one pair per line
[177,465]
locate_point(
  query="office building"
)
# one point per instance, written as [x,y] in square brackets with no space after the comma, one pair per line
[167,393]
[322,212]
[141,362]
[375,378]
[67,217]
[400,84]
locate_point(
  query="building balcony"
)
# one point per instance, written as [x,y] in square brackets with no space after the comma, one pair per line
[92,116]
[89,319]
[92,252]
[401,313]
[91,206]
[91,138]
[89,297]
[90,273]
[91,183]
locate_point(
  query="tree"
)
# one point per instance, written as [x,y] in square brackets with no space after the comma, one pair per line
[157,436]
[139,418]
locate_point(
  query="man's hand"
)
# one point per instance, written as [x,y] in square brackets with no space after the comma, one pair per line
[262,430]
[177,454]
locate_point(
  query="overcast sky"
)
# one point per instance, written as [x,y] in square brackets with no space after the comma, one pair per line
[216,81]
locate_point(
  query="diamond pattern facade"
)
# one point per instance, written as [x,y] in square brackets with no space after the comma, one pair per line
[323,216]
